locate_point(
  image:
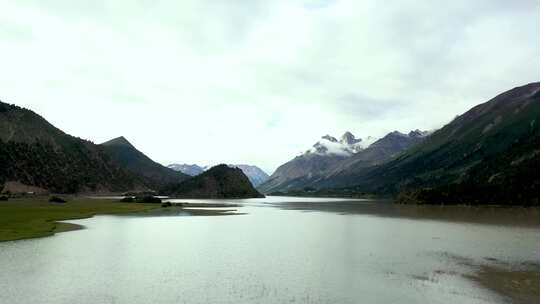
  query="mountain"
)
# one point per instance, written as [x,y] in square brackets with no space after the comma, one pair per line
[490,154]
[381,151]
[327,164]
[347,145]
[35,153]
[191,170]
[220,181]
[255,175]
[298,172]
[325,154]
[154,175]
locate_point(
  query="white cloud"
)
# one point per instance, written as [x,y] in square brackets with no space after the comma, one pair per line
[259,81]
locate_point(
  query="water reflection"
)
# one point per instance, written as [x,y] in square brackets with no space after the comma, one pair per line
[282,250]
[492,215]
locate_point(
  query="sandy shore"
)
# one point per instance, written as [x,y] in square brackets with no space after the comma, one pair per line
[520,284]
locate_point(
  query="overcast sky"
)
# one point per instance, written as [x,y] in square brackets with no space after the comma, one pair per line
[257,82]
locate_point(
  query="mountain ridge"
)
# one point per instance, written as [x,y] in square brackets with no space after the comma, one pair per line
[489,154]
[154,174]
[189,169]
[316,165]
[217,182]
[255,174]
[118,141]
[33,152]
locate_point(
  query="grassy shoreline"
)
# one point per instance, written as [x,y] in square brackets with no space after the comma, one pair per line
[27,218]
[36,217]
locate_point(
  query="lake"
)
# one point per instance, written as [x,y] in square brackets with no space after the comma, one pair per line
[276,250]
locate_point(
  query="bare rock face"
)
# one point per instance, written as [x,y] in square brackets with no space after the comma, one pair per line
[349,139]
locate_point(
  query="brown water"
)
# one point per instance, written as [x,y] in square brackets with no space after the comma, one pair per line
[283,250]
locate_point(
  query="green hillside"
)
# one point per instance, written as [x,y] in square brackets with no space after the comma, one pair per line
[490,154]
[34,152]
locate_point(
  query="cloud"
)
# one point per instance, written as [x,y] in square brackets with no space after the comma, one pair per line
[252,81]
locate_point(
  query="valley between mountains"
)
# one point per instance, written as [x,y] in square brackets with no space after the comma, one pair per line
[487,155]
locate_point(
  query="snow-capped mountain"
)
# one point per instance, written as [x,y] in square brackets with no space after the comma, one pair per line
[325,155]
[255,175]
[330,156]
[347,145]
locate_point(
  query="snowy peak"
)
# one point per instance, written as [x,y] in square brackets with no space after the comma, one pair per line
[330,138]
[347,145]
[349,139]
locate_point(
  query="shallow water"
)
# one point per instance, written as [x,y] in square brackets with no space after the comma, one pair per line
[282,250]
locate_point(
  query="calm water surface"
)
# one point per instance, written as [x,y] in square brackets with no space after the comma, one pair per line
[282,250]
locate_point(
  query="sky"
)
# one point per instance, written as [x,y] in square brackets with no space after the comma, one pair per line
[259,81]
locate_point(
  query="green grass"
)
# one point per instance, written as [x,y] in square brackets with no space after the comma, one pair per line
[36,217]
